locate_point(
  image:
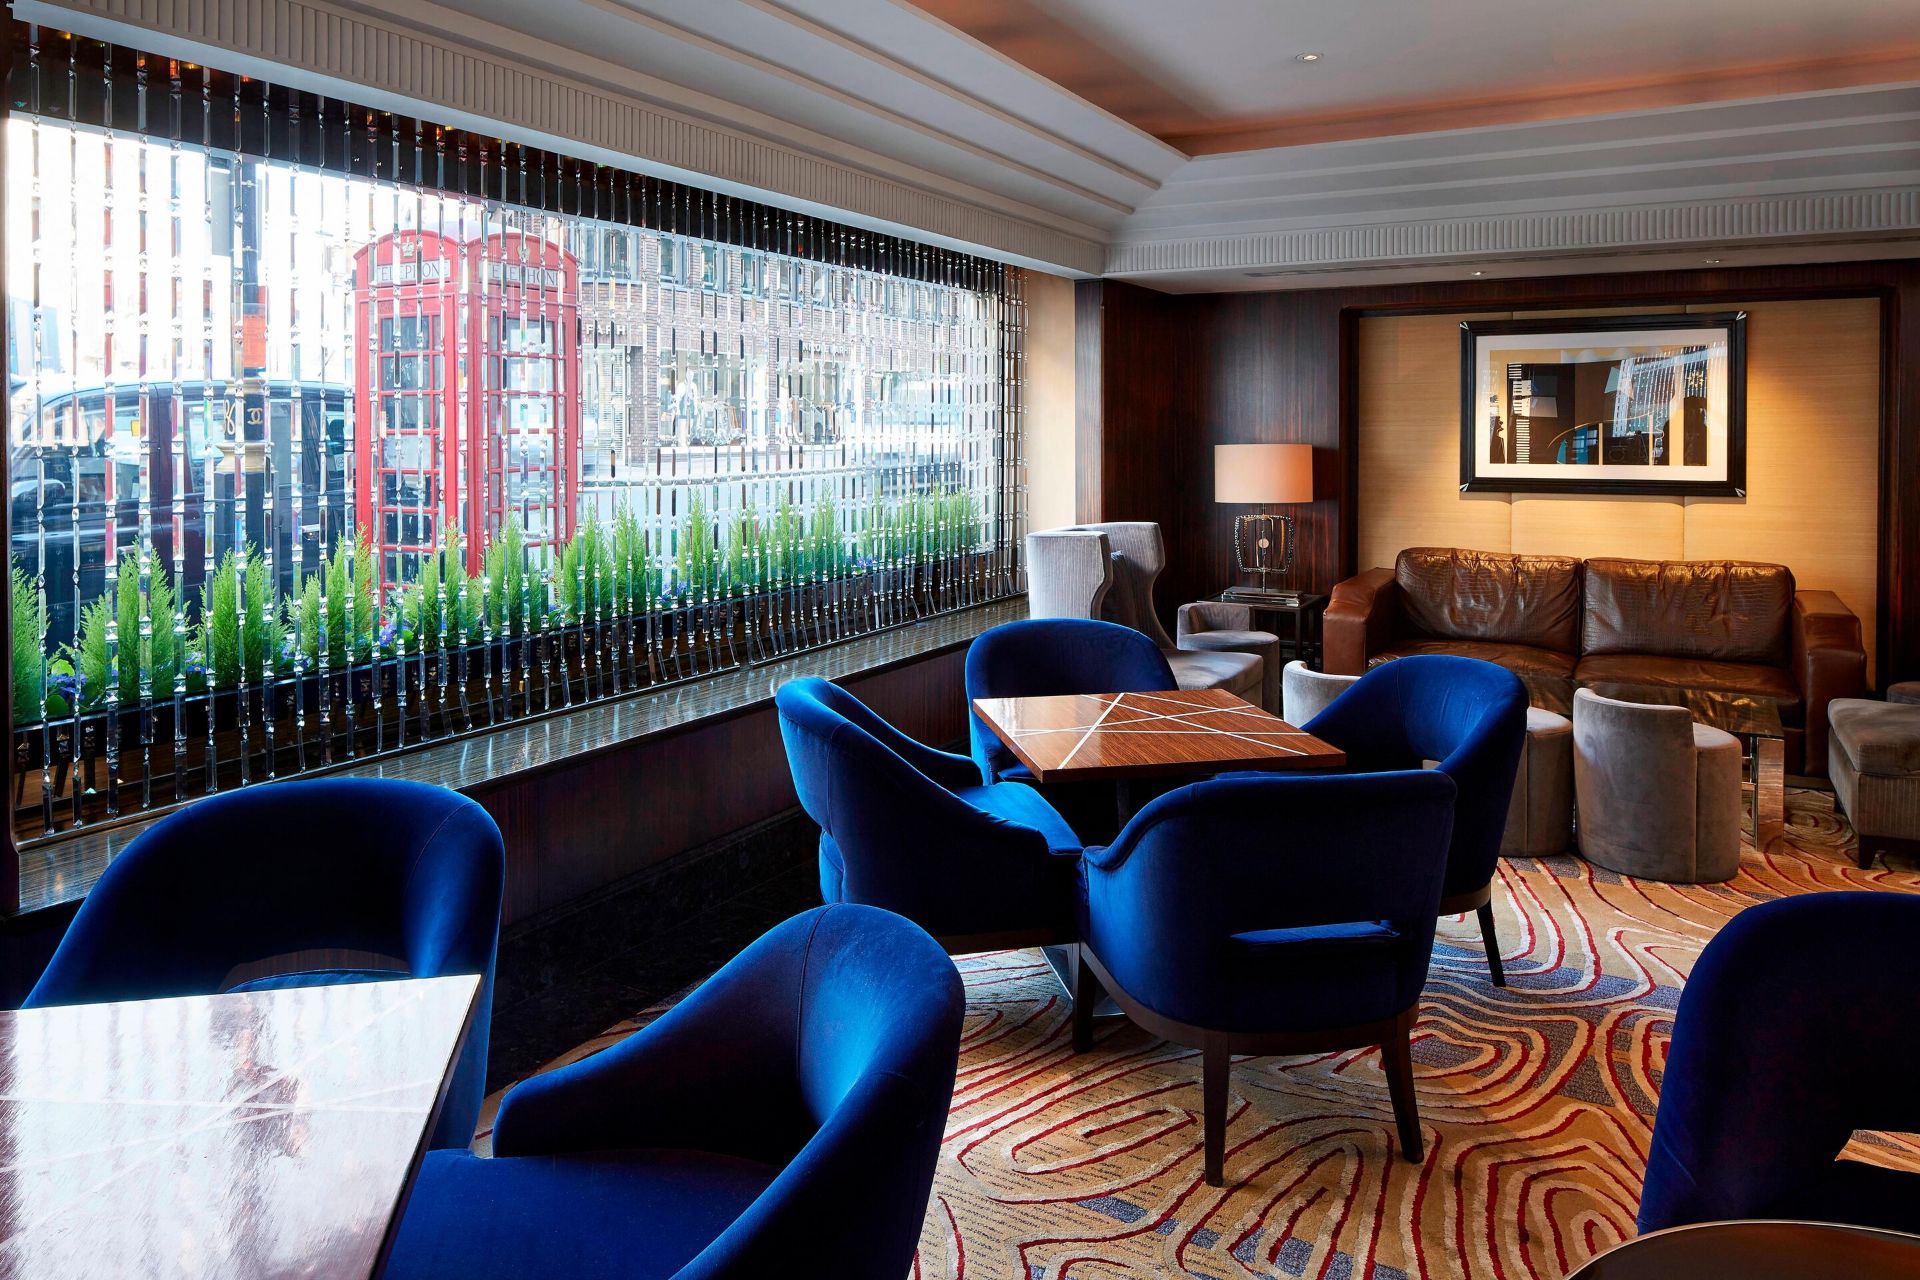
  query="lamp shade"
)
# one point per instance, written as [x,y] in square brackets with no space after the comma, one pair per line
[1263,473]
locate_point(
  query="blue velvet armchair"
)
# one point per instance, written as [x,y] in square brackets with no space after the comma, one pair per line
[909,828]
[1471,718]
[1271,914]
[1045,656]
[782,1120]
[399,870]
[1796,1028]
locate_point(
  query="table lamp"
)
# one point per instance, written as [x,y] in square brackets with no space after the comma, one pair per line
[1263,475]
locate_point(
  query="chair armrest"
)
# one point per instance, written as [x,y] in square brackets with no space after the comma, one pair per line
[1829,661]
[1360,620]
[1203,616]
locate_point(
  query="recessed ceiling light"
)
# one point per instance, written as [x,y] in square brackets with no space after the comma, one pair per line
[1712,262]
[1479,273]
[1307,57]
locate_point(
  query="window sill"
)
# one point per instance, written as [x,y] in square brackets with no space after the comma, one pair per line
[63,871]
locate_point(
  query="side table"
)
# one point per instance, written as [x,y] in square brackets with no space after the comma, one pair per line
[1307,621]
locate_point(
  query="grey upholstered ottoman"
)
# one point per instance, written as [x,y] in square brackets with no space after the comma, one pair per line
[1540,819]
[1873,758]
[1659,795]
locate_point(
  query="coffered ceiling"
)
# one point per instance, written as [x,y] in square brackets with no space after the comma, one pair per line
[1178,144]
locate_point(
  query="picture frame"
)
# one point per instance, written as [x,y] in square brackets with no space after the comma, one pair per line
[1640,404]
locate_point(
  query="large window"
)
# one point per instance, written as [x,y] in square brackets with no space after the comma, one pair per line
[309,462]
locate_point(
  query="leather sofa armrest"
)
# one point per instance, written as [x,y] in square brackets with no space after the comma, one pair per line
[1360,621]
[1829,661]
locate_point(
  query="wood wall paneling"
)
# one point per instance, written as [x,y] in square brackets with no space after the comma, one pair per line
[572,831]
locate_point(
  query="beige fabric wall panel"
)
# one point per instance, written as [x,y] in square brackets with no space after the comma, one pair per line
[1813,431]
[1639,528]
[1813,450]
[1050,403]
[1409,401]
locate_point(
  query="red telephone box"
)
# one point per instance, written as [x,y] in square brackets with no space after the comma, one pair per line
[466,389]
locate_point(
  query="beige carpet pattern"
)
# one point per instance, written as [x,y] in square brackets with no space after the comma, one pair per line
[1537,1103]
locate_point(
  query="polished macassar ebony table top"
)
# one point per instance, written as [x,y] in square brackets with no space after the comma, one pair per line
[1130,735]
[265,1134]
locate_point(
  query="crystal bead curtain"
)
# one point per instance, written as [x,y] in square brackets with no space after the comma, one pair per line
[334,433]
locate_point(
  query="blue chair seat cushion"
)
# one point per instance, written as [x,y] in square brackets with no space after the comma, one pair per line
[1022,804]
[318,978]
[635,1214]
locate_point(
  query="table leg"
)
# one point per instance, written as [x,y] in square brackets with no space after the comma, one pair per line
[1065,962]
[1769,791]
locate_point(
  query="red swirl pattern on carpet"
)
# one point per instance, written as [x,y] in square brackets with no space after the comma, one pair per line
[1537,1102]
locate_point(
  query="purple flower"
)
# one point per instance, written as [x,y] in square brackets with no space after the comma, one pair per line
[68,685]
[388,630]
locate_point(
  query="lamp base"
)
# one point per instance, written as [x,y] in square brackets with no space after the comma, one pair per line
[1262,595]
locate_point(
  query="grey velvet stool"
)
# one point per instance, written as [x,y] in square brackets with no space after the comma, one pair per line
[1659,796]
[1905,691]
[1540,819]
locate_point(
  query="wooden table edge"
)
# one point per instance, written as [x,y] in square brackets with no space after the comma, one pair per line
[1336,759]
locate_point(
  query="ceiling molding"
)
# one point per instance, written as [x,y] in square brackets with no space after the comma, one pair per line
[1797,168]
[1550,232]
[376,61]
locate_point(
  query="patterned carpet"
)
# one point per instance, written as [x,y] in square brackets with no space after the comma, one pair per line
[1537,1103]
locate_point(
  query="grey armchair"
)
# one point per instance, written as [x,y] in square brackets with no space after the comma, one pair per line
[1219,626]
[1658,796]
[1107,571]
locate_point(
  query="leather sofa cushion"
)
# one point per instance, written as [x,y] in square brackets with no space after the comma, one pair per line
[1880,738]
[1449,593]
[1719,610]
[1548,675]
[1695,673]
[1520,659]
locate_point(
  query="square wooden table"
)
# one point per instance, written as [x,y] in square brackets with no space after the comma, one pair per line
[1081,736]
[229,1137]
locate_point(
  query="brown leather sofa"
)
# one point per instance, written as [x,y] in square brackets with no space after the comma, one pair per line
[1720,625]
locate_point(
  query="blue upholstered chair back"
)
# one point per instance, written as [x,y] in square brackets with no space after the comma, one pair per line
[400,870]
[1469,716]
[1043,656]
[1205,877]
[893,833]
[828,1048]
[1796,1028]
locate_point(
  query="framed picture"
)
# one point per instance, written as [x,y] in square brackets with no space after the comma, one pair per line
[1611,404]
